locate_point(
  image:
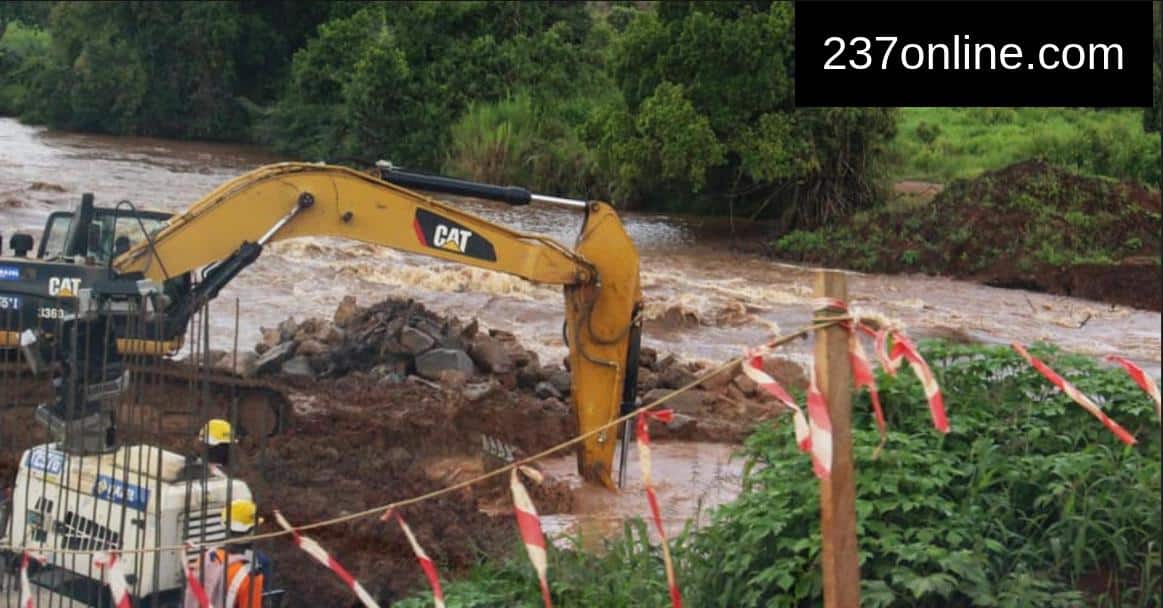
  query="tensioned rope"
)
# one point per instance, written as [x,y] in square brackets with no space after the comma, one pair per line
[818,323]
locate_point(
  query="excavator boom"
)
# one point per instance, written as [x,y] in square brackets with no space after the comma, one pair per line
[227,229]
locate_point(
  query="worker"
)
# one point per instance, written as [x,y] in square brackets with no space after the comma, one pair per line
[217,434]
[234,576]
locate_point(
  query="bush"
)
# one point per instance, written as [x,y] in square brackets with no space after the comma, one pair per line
[516,141]
[1026,502]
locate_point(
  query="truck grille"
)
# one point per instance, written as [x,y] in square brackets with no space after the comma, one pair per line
[203,527]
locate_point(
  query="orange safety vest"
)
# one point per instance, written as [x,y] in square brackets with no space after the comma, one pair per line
[237,582]
[243,587]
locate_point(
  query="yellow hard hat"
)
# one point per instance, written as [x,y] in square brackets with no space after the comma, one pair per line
[216,432]
[242,516]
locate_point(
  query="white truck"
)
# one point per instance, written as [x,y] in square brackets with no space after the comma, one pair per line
[133,497]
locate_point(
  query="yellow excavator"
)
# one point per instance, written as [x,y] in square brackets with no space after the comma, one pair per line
[96,269]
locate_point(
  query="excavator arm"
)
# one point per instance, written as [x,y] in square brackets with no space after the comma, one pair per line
[227,229]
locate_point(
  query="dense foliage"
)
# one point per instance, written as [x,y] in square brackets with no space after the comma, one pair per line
[647,104]
[676,106]
[1028,501]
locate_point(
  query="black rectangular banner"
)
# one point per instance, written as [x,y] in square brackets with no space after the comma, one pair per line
[984,53]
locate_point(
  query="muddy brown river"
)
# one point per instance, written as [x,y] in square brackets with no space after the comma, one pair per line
[703,301]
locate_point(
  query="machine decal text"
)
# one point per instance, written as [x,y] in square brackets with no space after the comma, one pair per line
[48,460]
[117,491]
[66,287]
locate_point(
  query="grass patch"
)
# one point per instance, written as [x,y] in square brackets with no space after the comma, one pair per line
[943,144]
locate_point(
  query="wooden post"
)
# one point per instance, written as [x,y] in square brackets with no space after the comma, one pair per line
[838,493]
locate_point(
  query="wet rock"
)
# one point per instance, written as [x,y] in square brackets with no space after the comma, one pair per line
[489,354]
[665,363]
[346,310]
[311,347]
[686,402]
[560,381]
[787,372]
[528,377]
[270,337]
[478,390]
[545,390]
[334,336]
[415,341]
[674,376]
[310,329]
[287,329]
[273,358]
[453,342]
[298,366]
[647,357]
[430,364]
[719,380]
[647,380]
[746,385]
[502,335]
[521,357]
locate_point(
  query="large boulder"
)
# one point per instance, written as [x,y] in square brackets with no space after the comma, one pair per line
[298,366]
[433,363]
[273,358]
[687,402]
[346,310]
[490,354]
[415,341]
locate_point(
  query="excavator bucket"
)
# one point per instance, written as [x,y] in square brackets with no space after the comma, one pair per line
[600,329]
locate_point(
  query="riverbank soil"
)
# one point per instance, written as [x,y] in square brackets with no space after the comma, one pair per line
[1031,225]
[391,401]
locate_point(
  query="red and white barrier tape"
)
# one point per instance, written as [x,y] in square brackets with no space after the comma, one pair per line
[196,589]
[862,377]
[426,562]
[192,582]
[113,573]
[902,347]
[1075,394]
[26,599]
[888,362]
[315,550]
[642,433]
[1142,379]
[530,527]
[820,427]
[753,368]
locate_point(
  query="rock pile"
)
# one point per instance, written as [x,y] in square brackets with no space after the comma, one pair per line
[392,340]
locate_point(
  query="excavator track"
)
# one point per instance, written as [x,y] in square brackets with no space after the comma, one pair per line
[169,396]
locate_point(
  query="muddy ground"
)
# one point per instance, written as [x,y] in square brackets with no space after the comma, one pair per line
[357,436]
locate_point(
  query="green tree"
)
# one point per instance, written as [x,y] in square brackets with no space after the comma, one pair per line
[389,80]
[707,106]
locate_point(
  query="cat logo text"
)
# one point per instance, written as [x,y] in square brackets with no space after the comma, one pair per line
[455,239]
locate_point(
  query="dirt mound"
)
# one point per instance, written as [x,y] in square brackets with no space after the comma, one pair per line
[373,422]
[1030,225]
